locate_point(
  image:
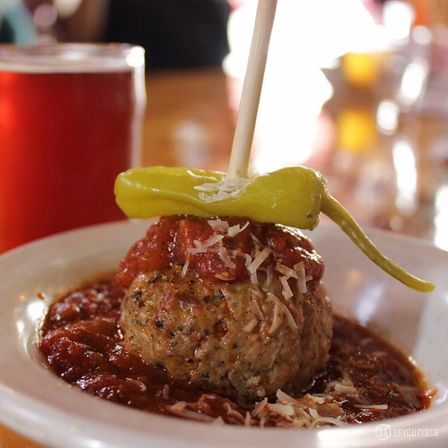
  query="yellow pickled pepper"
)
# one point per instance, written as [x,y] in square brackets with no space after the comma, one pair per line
[292,196]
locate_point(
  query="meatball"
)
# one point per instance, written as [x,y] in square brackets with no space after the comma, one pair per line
[236,338]
[227,304]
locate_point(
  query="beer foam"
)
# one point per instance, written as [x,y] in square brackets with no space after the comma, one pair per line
[70,58]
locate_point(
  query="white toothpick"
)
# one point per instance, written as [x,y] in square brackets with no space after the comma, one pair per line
[250,97]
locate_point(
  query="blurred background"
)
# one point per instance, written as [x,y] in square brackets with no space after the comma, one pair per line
[357,89]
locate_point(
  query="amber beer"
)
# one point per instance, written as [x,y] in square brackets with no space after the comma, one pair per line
[69,123]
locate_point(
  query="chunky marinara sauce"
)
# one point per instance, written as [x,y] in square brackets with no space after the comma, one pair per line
[170,239]
[82,343]
[365,379]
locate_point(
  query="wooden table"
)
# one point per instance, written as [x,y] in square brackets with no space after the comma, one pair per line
[190,121]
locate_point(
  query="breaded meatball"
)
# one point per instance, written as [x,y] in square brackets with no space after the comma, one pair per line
[234,307]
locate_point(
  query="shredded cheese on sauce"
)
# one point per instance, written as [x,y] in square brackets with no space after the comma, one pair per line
[184,412]
[218,225]
[306,412]
[287,272]
[345,386]
[286,292]
[299,268]
[260,257]
[373,407]
[185,266]
[236,229]
[233,413]
[303,412]
[253,263]
[214,239]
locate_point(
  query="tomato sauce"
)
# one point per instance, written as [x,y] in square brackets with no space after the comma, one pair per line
[166,243]
[82,343]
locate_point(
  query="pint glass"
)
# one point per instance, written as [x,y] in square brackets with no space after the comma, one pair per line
[70,117]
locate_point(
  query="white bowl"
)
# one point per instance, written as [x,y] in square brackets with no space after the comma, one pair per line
[38,404]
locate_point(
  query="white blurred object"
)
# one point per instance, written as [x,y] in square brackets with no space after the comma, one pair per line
[387,116]
[441,218]
[406,176]
[413,82]
[307,36]
[316,32]
[66,8]
[398,17]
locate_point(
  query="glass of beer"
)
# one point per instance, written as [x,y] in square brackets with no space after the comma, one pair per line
[70,121]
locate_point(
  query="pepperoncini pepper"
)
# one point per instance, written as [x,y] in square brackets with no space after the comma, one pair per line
[292,196]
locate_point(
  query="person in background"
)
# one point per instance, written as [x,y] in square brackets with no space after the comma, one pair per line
[174,33]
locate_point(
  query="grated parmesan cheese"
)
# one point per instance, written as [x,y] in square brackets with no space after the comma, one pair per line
[335,421]
[308,411]
[248,259]
[258,260]
[139,384]
[250,325]
[277,320]
[200,250]
[305,412]
[256,307]
[373,407]
[345,389]
[289,318]
[218,225]
[314,414]
[186,264]
[179,406]
[225,257]
[286,291]
[259,407]
[214,239]
[284,398]
[234,413]
[280,309]
[236,229]
[286,271]
[255,240]
[219,191]
[345,386]
[224,276]
[301,276]
[192,415]
[285,410]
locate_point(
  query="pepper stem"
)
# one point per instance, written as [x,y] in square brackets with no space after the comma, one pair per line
[337,213]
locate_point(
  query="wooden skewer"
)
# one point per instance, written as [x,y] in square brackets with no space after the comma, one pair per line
[250,97]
